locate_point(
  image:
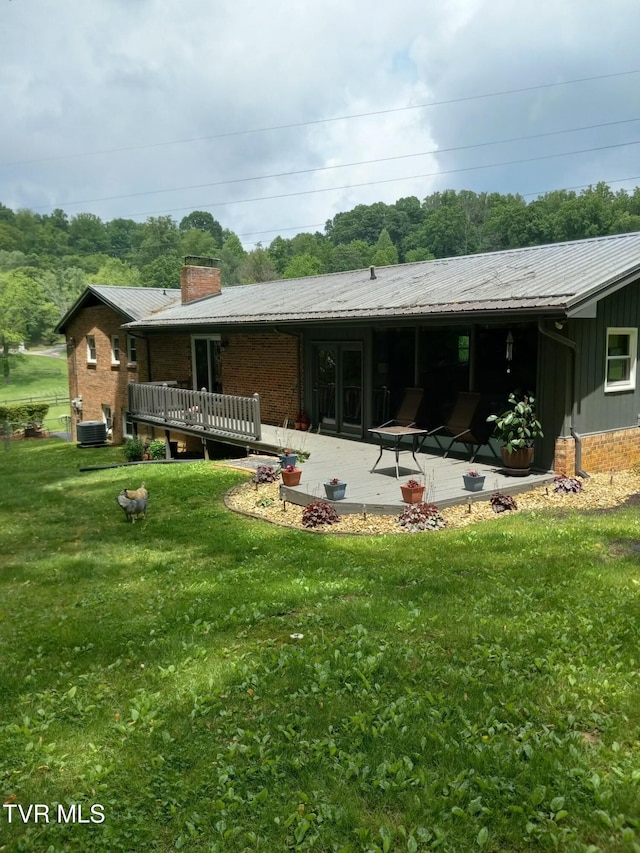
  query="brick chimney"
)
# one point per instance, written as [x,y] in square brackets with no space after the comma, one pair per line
[199,277]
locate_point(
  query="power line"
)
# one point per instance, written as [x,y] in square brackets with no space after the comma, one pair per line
[386,180]
[300,228]
[345,165]
[312,122]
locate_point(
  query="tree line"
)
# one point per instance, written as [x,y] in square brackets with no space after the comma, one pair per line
[46,260]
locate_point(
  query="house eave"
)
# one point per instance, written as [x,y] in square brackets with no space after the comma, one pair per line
[352,318]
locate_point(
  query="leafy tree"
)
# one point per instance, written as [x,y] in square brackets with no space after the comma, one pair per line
[62,287]
[364,222]
[414,255]
[163,271]
[29,224]
[11,238]
[280,251]
[117,273]
[25,313]
[57,219]
[385,253]
[87,234]
[302,265]
[122,237]
[231,259]
[351,256]
[7,215]
[257,266]
[159,236]
[12,260]
[201,243]
[202,220]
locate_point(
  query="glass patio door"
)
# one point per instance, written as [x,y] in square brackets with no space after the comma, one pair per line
[207,364]
[337,387]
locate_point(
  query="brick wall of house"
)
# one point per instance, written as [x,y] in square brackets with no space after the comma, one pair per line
[102,383]
[170,358]
[565,457]
[266,363]
[619,449]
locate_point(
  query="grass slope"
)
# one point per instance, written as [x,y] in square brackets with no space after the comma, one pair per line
[39,378]
[453,691]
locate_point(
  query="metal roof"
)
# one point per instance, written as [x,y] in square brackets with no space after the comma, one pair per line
[134,303]
[558,278]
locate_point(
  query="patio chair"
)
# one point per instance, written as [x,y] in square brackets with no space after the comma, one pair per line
[463,425]
[391,433]
[407,413]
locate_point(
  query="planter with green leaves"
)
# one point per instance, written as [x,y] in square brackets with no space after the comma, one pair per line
[517,428]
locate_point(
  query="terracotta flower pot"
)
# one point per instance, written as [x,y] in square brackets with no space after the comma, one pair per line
[412,494]
[291,478]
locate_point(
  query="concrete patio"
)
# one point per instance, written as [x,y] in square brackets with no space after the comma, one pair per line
[379,492]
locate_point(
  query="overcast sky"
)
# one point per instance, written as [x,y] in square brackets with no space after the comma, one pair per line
[132,108]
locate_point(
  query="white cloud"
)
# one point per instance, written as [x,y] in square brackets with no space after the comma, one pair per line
[80,78]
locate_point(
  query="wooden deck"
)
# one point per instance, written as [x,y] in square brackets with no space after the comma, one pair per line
[378,492]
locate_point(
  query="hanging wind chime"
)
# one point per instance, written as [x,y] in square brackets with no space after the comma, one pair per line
[509,354]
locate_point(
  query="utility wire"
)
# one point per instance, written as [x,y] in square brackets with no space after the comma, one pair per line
[345,165]
[312,122]
[386,180]
[301,228]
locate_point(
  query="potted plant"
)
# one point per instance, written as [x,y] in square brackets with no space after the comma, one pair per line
[335,489]
[412,492]
[287,458]
[473,481]
[291,475]
[517,428]
[302,421]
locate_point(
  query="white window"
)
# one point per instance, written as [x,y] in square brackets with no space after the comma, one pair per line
[128,429]
[91,349]
[622,348]
[107,419]
[115,349]
[132,353]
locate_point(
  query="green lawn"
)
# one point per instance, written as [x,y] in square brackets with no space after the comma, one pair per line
[39,378]
[454,691]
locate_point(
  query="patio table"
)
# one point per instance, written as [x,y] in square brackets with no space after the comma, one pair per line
[390,438]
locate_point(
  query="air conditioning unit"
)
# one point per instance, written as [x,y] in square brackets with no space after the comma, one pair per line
[91,433]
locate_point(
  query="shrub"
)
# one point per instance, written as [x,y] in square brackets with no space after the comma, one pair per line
[133,449]
[422,516]
[20,415]
[157,449]
[566,485]
[318,513]
[502,503]
[265,474]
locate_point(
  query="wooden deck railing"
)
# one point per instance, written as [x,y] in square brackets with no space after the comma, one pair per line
[217,414]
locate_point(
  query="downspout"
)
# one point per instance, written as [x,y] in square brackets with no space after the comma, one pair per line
[71,347]
[298,337]
[567,342]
